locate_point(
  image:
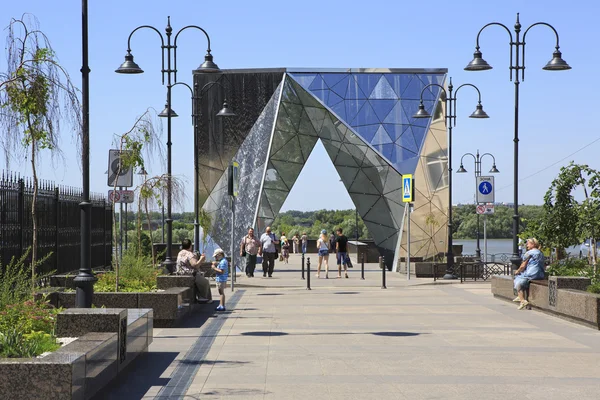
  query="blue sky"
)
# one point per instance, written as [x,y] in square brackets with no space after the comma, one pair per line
[555,118]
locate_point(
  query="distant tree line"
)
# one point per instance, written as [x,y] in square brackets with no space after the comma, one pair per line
[499,224]
[312,222]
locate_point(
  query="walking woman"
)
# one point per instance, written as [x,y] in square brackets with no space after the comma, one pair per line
[323,247]
[285,247]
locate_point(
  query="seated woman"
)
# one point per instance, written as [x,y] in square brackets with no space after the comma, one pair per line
[188,264]
[531,268]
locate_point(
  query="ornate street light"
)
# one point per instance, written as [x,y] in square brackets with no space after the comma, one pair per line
[131,67]
[450,122]
[477,158]
[517,64]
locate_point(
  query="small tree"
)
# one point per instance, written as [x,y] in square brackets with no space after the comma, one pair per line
[150,193]
[139,141]
[565,221]
[36,95]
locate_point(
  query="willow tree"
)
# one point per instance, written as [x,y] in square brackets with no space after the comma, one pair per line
[36,97]
[140,142]
[150,194]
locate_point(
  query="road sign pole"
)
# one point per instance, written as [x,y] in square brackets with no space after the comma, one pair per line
[120,229]
[485,237]
[408,243]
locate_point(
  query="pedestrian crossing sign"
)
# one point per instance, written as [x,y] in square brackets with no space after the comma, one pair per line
[408,193]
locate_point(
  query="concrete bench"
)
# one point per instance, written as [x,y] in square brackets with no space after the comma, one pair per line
[564,296]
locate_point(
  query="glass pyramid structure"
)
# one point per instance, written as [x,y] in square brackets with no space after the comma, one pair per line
[364,120]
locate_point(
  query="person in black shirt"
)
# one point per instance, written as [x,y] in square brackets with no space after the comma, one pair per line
[341,248]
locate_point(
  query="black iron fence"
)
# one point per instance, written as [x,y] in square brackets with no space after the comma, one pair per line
[58,220]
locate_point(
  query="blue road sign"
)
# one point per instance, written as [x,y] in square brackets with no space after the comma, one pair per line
[407,189]
[485,189]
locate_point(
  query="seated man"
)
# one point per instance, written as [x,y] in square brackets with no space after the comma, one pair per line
[188,264]
[532,268]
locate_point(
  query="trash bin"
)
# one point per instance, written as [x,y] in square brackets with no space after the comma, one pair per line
[493,257]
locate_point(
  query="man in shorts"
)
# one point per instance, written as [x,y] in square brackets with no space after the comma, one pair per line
[221,268]
[341,248]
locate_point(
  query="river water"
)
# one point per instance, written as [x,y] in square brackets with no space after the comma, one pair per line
[501,246]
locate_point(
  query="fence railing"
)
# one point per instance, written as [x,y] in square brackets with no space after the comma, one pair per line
[58,220]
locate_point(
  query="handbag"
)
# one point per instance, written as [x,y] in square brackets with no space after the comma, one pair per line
[347,261]
[280,258]
[244,247]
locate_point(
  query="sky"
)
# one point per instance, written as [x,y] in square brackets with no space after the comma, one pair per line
[556,124]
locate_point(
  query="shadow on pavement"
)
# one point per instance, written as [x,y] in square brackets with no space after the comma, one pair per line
[139,377]
[389,334]
[269,294]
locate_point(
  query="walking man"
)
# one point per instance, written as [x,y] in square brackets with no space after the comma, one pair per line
[295,240]
[341,248]
[304,241]
[249,247]
[268,240]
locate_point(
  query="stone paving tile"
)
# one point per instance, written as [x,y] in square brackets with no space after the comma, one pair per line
[352,341]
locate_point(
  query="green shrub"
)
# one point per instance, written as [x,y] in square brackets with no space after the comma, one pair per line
[136,274]
[594,288]
[29,316]
[569,267]
[15,344]
[15,281]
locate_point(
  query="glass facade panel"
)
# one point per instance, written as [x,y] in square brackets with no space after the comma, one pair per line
[383,90]
[341,87]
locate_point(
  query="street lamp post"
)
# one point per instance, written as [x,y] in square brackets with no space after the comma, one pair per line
[517,63]
[450,122]
[197,96]
[85,279]
[130,67]
[477,158]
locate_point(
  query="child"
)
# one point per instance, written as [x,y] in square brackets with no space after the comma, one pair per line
[221,267]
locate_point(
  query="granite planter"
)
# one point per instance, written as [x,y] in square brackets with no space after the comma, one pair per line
[426,269]
[81,368]
[169,305]
[559,295]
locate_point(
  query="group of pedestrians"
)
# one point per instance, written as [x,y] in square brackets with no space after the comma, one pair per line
[253,247]
[333,243]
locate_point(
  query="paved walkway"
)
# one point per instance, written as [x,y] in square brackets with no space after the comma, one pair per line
[345,340]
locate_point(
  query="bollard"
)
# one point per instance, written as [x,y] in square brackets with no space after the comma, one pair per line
[382,265]
[308,273]
[362,267]
[302,265]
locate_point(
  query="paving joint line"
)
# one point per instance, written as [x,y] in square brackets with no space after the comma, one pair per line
[186,370]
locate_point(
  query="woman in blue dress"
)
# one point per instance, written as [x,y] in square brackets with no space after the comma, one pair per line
[531,268]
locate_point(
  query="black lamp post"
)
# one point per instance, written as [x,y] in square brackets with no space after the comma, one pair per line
[450,122]
[130,67]
[477,158]
[197,96]
[517,63]
[85,279]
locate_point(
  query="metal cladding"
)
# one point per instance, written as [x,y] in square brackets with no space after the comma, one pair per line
[363,117]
